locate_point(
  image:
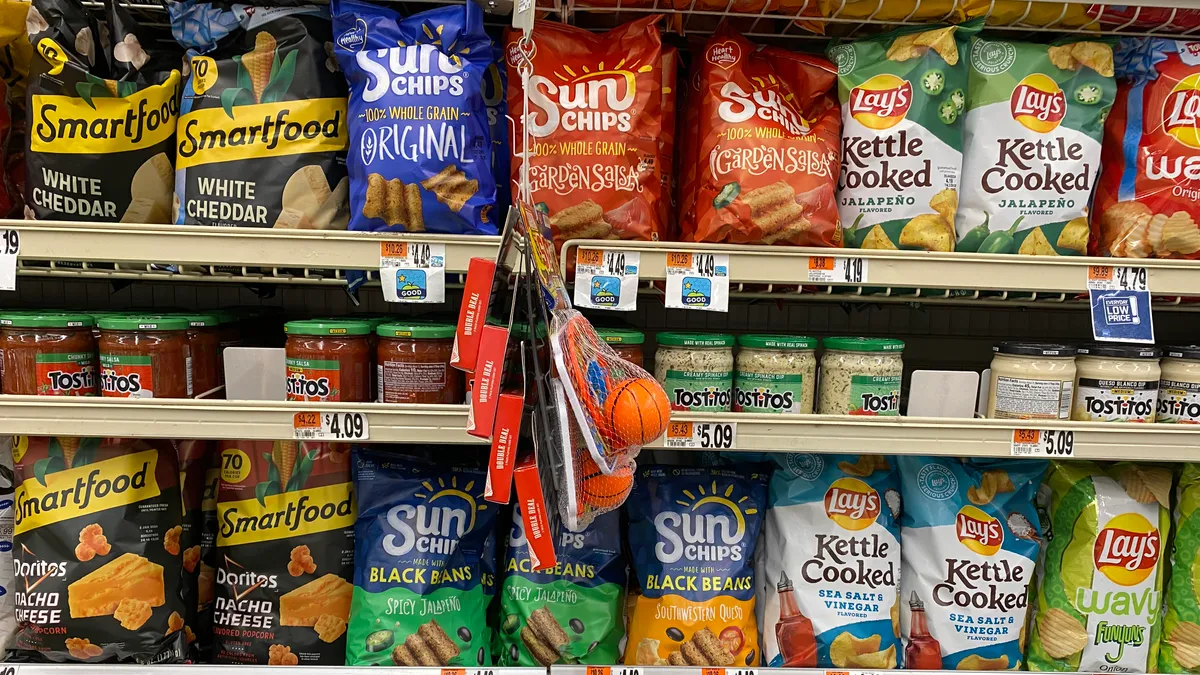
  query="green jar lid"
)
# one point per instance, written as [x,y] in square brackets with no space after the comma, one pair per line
[142,322]
[418,330]
[862,344]
[223,316]
[327,327]
[46,320]
[621,336]
[198,320]
[695,339]
[777,342]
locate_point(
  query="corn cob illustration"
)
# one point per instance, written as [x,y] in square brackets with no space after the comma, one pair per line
[258,63]
[284,455]
[111,85]
[70,446]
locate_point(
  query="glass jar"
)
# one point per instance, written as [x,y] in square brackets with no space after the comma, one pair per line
[696,370]
[775,374]
[47,354]
[626,343]
[1179,388]
[861,376]
[145,357]
[1116,383]
[1031,381]
[412,364]
[328,360]
[204,341]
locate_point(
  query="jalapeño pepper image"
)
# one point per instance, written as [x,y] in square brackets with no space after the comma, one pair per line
[1002,241]
[975,237]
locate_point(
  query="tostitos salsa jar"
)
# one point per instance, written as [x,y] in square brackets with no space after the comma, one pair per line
[328,360]
[145,357]
[48,354]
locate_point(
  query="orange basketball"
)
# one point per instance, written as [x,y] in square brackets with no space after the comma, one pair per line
[636,412]
[601,491]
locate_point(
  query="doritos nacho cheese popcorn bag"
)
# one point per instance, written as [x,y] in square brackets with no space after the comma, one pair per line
[594,122]
[692,533]
[99,572]
[102,109]
[262,128]
[769,146]
[422,158]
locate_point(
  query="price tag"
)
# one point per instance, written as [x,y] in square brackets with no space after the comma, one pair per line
[606,279]
[330,426]
[698,281]
[412,272]
[10,246]
[702,435]
[1120,299]
[713,671]
[1042,443]
[837,270]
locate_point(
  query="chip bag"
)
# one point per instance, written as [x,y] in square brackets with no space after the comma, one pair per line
[495,90]
[970,537]
[829,578]
[1146,202]
[769,138]
[1179,651]
[1101,578]
[903,95]
[1034,117]
[594,121]
[418,120]
[692,533]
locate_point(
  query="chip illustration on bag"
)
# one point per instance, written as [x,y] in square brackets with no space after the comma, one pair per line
[1179,651]
[1101,579]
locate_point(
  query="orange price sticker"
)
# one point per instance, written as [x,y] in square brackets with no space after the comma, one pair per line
[1100,272]
[599,670]
[393,249]
[822,263]
[1025,436]
[454,671]
[679,430]
[837,672]
[679,260]
[306,420]
[589,256]
[712,671]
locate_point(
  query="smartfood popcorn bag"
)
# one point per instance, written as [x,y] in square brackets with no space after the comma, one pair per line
[1101,578]
[1179,651]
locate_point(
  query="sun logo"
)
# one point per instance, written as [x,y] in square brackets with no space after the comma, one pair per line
[1127,549]
[851,503]
[711,527]
[979,531]
[436,525]
[587,98]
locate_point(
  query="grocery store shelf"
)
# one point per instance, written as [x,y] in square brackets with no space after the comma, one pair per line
[182,669]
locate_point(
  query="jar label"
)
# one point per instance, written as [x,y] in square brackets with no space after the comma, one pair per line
[699,391]
[1178,402]
[403,382]
[1115,401]
[768,393]
[874,395]
[314,380]
[1018,398]
[65,374]
[126,376]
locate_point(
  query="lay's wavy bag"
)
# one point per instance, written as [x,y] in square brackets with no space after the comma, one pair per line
[1101,579]
[829,582]
[970,537]
[419,123]
[1180,648]
[692,535]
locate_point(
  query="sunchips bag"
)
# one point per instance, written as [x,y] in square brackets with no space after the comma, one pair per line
[1147,200]
[495,97]
[424,570]
[970,536]
[96,552]
[1179,651]
[903,95]
[1034,119]
[1101,578]
[692,535]
[829,582]
[571,613]
[102,110]
[285,553]
[262,127]
[419,124]
[769,145]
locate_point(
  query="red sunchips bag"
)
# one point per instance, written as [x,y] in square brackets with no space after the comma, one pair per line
[689,147]
[1147,202]
[769,152]
[594,119]
[666,139]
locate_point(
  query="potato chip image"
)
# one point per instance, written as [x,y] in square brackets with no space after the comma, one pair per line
[845,647]
[929,232]
[865,466]
[896,616]
[647,652]
[996,481]
[1036,244]
[1147,484]
[1075,235]
[1179,234]
[1095,55]
[1060,633]
[884,659]
[977,662]
[1123,230]
[1060,56]
[946,204]
[1185,639]
[979,496]
[878,239]
[904,48]
[941,41]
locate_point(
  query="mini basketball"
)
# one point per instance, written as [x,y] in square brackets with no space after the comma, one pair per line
[636,412]
[604,492]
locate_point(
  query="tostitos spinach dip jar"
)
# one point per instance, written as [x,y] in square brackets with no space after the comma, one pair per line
[775,374]
[696,370]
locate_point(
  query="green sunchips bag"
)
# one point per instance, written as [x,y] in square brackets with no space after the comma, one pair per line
[570,613]
[1101,579]
[903,94]
[1180,651]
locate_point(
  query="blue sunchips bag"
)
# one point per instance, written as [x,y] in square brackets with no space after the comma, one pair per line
[424,564]
[421,146]
[970,535]
[495,90]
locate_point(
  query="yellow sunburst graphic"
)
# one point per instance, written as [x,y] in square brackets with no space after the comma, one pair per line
[723,498]
[433,494]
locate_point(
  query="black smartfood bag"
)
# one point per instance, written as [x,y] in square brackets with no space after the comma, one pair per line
[103,105]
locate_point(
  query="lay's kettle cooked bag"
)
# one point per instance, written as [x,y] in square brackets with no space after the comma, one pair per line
[692,536]
[102,110]
[1034,119]
[829,578]
[1101,579]
[970,537]
[262,127]
[1179,651]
